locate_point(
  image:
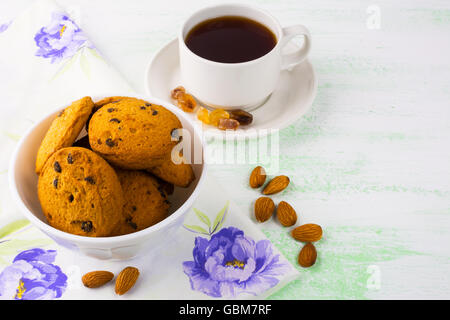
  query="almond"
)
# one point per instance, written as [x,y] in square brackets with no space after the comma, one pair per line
[257,177]
[276,185]
[307,256]
[95,279]
[264,207]
[286,214]
[309,232]
[126,280]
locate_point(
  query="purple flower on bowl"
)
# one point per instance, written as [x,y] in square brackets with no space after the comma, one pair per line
[61,39]
[231,263]
[32,276]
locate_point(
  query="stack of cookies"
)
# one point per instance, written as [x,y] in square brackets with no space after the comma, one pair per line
[115,180]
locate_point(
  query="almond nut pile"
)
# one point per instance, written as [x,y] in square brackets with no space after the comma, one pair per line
[124,281]
[285,213]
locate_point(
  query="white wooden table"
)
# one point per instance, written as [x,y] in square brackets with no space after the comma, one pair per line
[370,162]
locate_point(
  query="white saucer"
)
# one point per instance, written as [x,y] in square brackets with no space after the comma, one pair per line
[292,98]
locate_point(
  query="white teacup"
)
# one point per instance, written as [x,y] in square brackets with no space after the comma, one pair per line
[244,85]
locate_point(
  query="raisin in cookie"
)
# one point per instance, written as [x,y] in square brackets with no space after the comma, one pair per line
[80,193]
[132,134]
[145,201]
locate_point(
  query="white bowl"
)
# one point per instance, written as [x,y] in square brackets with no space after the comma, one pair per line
[23,184]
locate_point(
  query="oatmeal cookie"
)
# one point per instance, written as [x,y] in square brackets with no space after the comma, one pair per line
[145,201]
[180,175]
[64,129]
[132,134]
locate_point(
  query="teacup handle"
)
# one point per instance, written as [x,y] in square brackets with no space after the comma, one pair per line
[292,59]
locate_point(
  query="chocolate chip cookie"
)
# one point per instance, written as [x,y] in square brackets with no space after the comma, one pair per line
[180,174]
[145,201]
[64,129]
[132,134]
[80,193]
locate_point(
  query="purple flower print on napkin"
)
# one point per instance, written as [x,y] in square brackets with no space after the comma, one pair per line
[231,263]
[4,26]
[60,39]
[32,276]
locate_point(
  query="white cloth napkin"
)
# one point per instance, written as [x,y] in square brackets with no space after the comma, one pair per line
[46,61]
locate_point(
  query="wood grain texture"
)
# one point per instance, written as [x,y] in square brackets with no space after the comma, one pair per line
[369,162]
